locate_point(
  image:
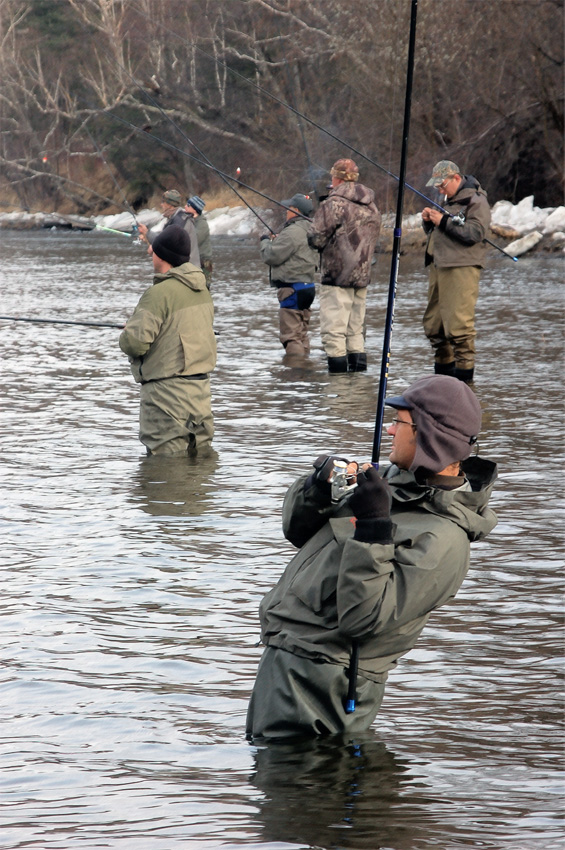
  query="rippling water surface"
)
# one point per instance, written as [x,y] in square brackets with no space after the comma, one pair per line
[129,626]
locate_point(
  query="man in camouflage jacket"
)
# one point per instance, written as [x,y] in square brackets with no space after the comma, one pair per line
[345,229]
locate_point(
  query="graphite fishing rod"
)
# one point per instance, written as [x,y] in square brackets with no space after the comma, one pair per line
[319,127]
[61,321]
[389,321]
[190,142]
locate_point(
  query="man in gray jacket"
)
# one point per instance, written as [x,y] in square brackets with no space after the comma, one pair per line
[455,255]
[374,563]
[345,229]
[195,208]
[171,346]
[173,212]
[292,266]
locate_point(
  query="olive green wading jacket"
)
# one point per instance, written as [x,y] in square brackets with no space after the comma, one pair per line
[171,331]
[337,589]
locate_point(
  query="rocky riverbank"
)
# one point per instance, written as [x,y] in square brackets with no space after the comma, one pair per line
[518,228]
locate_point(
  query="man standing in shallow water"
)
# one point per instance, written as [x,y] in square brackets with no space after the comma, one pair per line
[371,567]
[171,347]
[455,255]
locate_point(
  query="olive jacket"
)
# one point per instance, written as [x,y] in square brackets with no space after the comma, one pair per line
[289,257]
[459,242]
[337,589]
[170,333]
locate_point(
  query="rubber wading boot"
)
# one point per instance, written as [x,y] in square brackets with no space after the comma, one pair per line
[465,375]
[357,361]
[445,368]
[337,364]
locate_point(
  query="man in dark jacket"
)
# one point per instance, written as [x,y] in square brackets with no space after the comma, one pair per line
[292,266]
[374,562]
[455,255]
[345,229]
[173,212]
[171,346]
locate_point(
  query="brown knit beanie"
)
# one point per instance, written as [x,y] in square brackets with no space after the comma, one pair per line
[172,245]
[447,415]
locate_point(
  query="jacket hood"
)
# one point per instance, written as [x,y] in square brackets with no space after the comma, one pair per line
[470,186]
[356,192]
[467,507]
[188,274]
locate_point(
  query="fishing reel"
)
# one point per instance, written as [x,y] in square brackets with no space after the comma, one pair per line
[459,219]
[341,481]
[137,240]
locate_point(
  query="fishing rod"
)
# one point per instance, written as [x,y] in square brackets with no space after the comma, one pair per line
[389,321]
[61,321]
[199,161]
[190,142]
[322,129]
[135,229]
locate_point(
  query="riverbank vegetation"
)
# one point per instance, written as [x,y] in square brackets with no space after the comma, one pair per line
[89,86]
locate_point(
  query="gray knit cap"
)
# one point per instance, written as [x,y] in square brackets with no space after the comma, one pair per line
[447,415]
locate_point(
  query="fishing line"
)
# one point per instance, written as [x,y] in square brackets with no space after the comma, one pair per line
[117,185]
[190,142]
[61,321]
[213,168]
[313,123]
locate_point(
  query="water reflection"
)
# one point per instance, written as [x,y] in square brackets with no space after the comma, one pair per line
[175,486]
[339,793]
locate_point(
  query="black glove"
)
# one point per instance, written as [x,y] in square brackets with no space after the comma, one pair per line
[371,503]
[323,465]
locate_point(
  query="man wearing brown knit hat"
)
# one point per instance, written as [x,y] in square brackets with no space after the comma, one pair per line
[376,558]
[174,213]
[171,347]
[345,230]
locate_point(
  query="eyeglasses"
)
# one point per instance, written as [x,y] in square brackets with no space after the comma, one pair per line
[401,422]
[441,187]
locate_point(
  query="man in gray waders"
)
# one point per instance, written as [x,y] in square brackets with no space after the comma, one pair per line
[455,255]
[171,347]
[374,562]
[292,266]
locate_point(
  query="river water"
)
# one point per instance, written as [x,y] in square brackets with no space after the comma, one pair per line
[129,628]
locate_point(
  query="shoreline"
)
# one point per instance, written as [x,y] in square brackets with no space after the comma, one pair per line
[516,229]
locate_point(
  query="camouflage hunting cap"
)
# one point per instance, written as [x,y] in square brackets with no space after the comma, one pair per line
[442,170]
[171,196]
[345,169]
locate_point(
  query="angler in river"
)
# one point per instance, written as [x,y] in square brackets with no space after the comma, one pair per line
[455,255]
[171,207]
[374,561]
[171,346]
[345,229]
[194,207]
[292,267]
